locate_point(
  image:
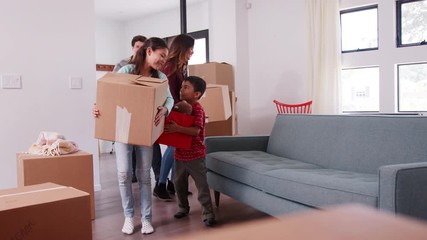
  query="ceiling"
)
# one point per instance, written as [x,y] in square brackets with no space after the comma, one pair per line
[125,10]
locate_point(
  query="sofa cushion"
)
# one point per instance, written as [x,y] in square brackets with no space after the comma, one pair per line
[295,180]
[322,187]
[249,167]
[348,142]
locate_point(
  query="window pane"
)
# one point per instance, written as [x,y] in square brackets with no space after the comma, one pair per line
[412,87]
[199,55]
[360,89]
[359,30]
[414,22]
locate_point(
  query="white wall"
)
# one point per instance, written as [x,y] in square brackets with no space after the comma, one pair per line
[110,39]
[46,45]
[168,23]
[278,57]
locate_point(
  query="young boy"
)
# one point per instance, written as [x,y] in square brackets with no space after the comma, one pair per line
[191,161]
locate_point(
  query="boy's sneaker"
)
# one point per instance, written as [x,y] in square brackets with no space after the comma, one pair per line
[209,222]
[171,187]
[180,215]
[162,193]
[146,228]
[128,226]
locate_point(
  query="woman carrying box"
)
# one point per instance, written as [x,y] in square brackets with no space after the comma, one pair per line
[147,62]
[175,68]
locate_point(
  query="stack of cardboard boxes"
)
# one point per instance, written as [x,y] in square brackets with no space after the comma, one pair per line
[45,211]
[54,198]
[219,101]
[73,170]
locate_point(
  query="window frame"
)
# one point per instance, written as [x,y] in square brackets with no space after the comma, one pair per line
[399,43]
[360,111]
[358,9]
[398,85]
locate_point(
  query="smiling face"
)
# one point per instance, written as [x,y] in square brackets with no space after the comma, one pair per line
[188,54]
[157,58]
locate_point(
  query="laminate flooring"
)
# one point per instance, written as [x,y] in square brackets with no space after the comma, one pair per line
[109,214]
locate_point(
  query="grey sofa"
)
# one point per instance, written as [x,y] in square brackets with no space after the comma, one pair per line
[314,161]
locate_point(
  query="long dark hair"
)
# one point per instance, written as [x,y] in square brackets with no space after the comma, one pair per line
[177,51]
[154,43]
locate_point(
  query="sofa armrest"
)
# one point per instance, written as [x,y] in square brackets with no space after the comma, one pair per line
[236,143]
[403,189]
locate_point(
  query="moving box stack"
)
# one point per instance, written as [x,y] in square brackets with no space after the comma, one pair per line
[71,170]
[219,101]
[45,211]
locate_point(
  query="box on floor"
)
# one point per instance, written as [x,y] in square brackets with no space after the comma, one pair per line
[45,211]
[128,105]
[75,170]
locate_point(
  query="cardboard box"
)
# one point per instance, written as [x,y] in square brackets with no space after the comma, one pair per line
[227,127]
[74,170]
[214,73]
[128,105]
[216,103]
[45,211]
[175,139]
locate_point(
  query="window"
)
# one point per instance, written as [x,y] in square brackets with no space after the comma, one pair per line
[412,87]
[359,29]
[411,16]
[201,46]
[360,89]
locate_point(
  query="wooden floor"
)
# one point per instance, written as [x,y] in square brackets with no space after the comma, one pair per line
[109,213]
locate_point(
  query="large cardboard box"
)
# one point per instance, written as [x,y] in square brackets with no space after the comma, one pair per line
[216,103]
[227,127]
[45,211]
[74,170]
[214,73]
[128,105]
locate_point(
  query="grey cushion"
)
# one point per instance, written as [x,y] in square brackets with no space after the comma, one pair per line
[322,187]
[295,180]
[249,167]
[349,143]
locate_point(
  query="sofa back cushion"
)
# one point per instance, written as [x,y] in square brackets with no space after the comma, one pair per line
[350,142]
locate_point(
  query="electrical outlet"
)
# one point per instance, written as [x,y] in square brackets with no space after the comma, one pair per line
[11,81]
[76,82]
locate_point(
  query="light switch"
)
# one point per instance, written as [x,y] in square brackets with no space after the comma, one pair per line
[11,81]
[76,82]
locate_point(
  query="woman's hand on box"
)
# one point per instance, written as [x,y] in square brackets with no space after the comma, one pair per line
[161,112]
[95,111]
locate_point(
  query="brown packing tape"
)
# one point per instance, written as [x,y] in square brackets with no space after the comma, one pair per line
[147,81]
[33,191]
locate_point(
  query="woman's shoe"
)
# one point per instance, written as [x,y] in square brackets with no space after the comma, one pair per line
[170,187]
[179,215]
[162,193]
[146,228]
[128,226]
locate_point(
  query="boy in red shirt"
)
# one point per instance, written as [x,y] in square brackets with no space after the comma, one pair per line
[191,161]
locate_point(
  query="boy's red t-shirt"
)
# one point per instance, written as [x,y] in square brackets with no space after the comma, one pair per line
[198,148]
